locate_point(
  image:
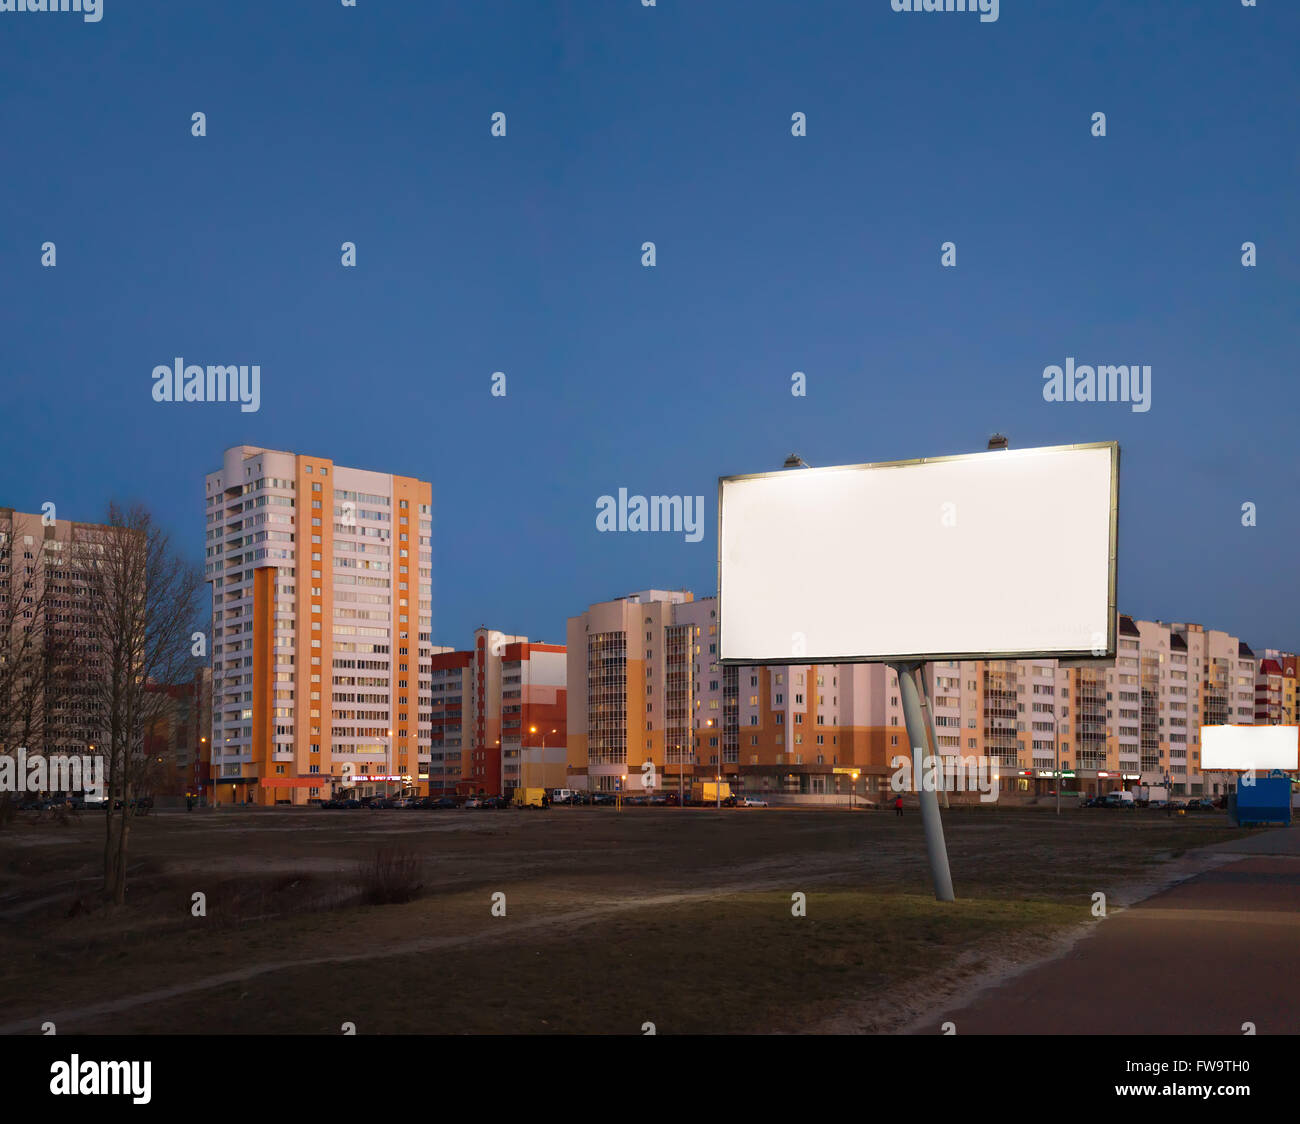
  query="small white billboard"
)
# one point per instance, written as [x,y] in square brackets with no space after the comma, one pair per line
[1004,554]
[1244,748]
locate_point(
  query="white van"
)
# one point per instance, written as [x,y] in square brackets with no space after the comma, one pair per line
[563,795]
[1120,799]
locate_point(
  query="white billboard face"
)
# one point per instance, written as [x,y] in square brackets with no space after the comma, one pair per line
[1242,748]
[1006,553]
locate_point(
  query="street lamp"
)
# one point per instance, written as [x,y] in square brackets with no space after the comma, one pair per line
[1058,772]
[717,776]
[388,761]
[533,730]
[214,778]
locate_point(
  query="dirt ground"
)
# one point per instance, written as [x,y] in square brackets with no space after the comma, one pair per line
[613,920]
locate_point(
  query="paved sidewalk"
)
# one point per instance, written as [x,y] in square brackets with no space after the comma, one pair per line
[1261,841]
[1203,957]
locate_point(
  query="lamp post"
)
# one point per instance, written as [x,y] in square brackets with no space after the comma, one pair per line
[533,730]
[1058,775]
[717,775]
[215,804]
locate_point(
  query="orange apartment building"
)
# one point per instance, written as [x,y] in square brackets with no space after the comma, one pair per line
[321,602]
[498,716]
[175,747]
[654,691]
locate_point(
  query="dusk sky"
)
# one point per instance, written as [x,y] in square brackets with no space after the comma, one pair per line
[775,254]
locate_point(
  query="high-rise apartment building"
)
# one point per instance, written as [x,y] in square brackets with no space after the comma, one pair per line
[646,685]
[48,653]
[321,581]
[1275,688]
[498,716]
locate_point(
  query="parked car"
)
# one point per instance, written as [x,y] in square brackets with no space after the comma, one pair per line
[1204,803]
[46,803]
[494,802]
[753,802]
[473,802]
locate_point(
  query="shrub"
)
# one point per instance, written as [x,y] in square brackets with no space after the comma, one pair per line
[392,876]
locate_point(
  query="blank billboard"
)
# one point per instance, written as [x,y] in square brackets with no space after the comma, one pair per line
[1239,748]
[1009,553]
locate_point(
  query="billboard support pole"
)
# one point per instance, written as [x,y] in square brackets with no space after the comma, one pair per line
[911,687]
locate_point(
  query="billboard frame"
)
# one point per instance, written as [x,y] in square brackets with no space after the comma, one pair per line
[1112,623]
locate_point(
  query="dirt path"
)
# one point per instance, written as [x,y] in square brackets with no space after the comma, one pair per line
[497,933]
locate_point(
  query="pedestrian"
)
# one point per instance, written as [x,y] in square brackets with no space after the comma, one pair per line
[189,803]
[898,806]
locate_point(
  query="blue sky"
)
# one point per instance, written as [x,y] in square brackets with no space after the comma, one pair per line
[775,254]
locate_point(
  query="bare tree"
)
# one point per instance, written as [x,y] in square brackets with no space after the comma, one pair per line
[23,667]
[144,600]
[28,664]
